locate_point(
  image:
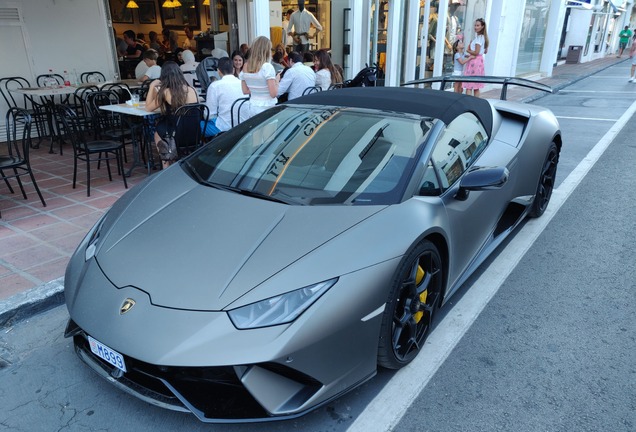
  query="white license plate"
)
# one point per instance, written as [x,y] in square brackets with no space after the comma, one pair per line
[108,354]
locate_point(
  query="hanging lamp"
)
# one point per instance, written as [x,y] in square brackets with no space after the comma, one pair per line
[132,4]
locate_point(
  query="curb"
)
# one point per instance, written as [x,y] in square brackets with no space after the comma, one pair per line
[26,304]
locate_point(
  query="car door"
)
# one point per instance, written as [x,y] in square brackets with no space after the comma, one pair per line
[471,220]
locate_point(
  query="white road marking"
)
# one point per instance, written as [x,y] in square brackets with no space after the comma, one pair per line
[586,118]
[385,411]
[598,91]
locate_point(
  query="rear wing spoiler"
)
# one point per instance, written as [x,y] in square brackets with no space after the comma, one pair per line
[504,81]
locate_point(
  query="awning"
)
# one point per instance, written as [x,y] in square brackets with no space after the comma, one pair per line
[617,5]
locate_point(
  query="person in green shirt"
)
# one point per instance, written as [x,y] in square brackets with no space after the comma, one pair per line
[623,40]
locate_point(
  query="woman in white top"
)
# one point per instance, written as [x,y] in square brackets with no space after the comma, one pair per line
[475,66]
[258,78]
[326,73]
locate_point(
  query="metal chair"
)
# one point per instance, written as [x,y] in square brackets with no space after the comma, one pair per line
[143,90]
[121,90]
[109,125]
[41,80]
[89,151]
[92,77]
[236,107]
[34,108]
[18,125]
[191,120]
[312,89]
[336,86]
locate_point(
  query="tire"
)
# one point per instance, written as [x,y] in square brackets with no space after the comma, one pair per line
[414,297]
[546,182]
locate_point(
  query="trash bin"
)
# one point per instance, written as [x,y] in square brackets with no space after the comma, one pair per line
[574,54]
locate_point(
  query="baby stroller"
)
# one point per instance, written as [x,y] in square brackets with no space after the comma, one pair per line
[367,77]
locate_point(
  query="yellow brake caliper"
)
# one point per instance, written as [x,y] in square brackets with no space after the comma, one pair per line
[418,280]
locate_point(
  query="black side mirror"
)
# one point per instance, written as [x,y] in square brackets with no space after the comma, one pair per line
[480,179]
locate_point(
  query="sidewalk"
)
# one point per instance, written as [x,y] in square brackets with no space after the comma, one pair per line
[36,243]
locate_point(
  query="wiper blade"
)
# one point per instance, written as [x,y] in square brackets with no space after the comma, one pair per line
[247,192]
[374,139]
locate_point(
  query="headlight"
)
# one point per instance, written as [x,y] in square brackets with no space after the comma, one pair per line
[281,309]
[93,236]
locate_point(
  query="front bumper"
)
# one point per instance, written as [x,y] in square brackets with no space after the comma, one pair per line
[213,394]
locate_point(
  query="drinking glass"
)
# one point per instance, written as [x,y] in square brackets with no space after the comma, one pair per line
[116,77]
[135,100]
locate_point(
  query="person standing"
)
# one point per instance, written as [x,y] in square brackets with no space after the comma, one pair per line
[220,97]
[632,55]
[258,78]
[189,43]
[459,60]
[170,39]
[301,21]
[289,41]
[623,40]
[475,66]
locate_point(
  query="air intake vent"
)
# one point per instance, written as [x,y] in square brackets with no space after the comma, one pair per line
[11,14]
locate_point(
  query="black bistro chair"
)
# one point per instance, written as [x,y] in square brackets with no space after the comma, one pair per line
[89,151]
[190,121]
[312,89]
[92,77]
[36,109]
[16,162]
[235,112]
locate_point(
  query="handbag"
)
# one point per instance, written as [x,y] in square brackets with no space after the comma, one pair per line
[167,147]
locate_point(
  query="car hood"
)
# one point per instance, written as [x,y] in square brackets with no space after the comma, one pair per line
[194,247]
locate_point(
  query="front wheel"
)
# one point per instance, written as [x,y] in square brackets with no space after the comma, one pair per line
[414,297]
[546,182]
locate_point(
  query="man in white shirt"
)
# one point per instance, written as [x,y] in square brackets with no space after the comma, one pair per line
[221,95]
[297,78]
[300,21]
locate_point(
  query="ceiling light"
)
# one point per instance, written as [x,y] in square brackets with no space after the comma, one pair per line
[132,5]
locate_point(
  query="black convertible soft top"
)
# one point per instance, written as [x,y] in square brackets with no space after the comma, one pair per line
[443,105]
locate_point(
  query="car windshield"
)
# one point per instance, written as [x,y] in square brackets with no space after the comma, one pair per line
[308,155]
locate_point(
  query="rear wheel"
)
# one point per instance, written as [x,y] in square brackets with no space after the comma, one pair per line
[546,182]
[414,297]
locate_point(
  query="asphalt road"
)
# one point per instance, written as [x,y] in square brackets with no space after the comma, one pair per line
[554,349]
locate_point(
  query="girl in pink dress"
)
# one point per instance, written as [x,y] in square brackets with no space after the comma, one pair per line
[477,48]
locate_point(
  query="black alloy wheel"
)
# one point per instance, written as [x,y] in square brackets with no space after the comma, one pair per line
[546,182]
[408,316]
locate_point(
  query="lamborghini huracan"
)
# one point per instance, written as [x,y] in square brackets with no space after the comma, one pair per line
[280,265]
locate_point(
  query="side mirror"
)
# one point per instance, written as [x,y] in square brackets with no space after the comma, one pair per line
[480,179]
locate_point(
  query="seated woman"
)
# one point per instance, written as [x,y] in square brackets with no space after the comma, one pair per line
[168,93]
[189,66]
[326,72]
[237,61]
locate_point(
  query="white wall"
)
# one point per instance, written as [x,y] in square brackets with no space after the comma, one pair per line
[578,29]
[67,35]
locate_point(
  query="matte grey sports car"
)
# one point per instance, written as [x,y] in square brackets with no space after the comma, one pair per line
[277,267]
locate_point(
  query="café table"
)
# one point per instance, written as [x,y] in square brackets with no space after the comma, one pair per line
[127,109]
[46,97]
